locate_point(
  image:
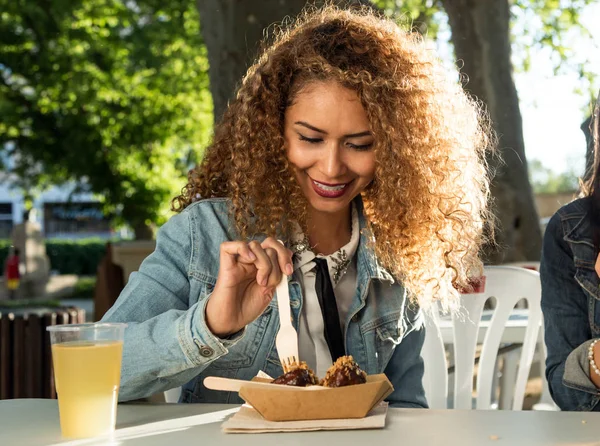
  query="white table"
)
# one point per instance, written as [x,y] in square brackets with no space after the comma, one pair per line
[35,422]
[514,330]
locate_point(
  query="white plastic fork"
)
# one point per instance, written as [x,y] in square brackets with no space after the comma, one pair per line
[287,338]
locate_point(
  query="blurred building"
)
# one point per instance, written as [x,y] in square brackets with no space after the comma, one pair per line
[60,213]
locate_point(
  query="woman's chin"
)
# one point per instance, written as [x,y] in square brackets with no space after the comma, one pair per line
[329,205]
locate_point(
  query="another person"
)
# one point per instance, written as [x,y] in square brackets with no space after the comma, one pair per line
[569,271]
[348,141]
[12,274]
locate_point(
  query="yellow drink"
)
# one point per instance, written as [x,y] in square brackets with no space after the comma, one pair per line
[87,375]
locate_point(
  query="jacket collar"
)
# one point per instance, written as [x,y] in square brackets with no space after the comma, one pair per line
[579,227]
[367,264]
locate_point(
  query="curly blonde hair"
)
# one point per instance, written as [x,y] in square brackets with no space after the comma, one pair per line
[427,205]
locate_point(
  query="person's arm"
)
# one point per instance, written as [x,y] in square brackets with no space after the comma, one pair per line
[596,354]
[566,325]
[405,369]
[167,342]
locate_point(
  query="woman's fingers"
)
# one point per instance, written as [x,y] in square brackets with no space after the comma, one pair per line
[275,276]
[284,255]
[232,252]
[263,263]
[234,303]
[270,258]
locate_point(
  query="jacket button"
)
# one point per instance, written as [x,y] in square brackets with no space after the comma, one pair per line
[207,352]
[355,318]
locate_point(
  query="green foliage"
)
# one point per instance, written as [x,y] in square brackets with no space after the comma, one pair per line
[545,180]
[4,251]
[84,289]
[29,303]
[554,25]
[417,14]
[111,94]
[79,257]
[536,24]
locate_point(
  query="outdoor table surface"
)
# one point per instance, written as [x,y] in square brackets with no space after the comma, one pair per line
[35,422]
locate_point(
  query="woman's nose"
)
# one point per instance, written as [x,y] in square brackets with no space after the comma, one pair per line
[333,162]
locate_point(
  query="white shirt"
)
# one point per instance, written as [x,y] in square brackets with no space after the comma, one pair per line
[312,346]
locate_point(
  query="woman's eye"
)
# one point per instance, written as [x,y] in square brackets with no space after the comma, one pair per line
[360,147]
[311,140]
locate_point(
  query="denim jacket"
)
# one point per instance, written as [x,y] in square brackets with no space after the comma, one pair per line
[167,342]
[571,306]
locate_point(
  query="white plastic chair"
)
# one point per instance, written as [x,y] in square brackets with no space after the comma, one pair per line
[546,402]
[508,284]
[533,265]
[510,369]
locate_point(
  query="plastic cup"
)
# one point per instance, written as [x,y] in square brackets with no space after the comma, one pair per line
[87,372]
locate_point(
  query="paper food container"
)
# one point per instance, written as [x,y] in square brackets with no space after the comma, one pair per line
[276,402]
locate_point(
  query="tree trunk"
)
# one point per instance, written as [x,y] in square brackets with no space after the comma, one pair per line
[142,231]
[481,38]
[589,152]
[232,31]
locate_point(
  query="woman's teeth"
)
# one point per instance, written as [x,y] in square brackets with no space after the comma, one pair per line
[330,188]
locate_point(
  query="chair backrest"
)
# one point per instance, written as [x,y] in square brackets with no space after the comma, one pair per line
[508,285]
[533,265]
[546,402]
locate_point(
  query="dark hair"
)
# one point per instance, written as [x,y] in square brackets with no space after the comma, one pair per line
[591,188]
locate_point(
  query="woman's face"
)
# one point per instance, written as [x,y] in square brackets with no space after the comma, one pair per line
[330,145]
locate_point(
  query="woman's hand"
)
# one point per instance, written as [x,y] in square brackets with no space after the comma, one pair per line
[248,275]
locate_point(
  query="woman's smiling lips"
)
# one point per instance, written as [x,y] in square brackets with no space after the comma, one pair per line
[327,190]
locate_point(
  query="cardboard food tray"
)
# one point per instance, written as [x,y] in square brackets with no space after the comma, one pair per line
[276,402]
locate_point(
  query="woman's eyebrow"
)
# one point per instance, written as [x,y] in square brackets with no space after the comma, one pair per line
[308,126]
[357,135]
[351,135]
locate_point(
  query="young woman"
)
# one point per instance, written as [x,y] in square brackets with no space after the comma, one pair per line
[571,295]
[349,142]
